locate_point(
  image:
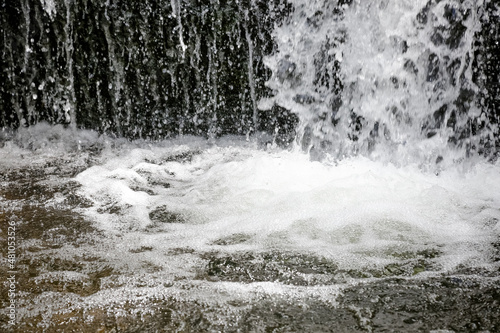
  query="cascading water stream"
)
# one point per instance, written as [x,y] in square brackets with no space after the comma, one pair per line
[388,79]
[408,76]
[69,106]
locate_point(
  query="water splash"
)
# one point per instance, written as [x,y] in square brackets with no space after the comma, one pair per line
[393,80]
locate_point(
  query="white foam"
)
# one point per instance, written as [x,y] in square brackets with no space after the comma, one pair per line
[357,212]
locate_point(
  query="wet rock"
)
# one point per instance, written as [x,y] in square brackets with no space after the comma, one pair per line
[141,249]
[181,250]
[114,208]
[64,282]
[233,239]
[410,67]
[138,188]
[162,214]
[50,224]
[425,305]
[181,157]
[288,268]
[300,269]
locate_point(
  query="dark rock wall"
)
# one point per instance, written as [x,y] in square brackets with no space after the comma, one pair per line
[487,75]
[139,68]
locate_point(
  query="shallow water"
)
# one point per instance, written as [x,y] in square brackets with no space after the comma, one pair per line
[233,236]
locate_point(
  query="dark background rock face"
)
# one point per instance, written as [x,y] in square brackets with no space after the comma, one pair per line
[487,70]
[140,68]
[155,69]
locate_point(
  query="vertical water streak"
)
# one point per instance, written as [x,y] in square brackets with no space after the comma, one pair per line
[251,80]
[176,12]
[115,86]
[116,69]
[195,62]
[70,98]
[212,73]
[27,73]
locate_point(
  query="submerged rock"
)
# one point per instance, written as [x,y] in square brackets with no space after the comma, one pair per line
[163,215]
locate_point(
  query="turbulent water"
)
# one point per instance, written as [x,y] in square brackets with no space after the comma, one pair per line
[382,214]
[193,236]
[391,79]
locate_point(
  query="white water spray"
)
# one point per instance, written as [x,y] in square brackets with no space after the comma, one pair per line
[387,79]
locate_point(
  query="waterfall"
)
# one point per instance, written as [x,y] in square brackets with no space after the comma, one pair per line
[140,69]
[250,165]
[395,80]
[389,79]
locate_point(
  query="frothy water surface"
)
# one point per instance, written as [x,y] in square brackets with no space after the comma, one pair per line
[358,213]
[226,231]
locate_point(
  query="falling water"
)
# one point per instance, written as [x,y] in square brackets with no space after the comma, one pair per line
[147,69]
[389,79]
